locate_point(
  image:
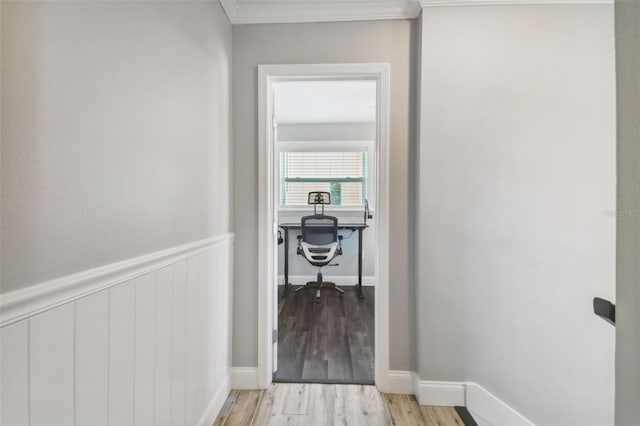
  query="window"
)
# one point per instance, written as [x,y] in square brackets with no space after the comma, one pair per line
[341,168]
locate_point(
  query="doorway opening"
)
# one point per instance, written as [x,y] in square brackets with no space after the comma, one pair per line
[323,142]
[325,153]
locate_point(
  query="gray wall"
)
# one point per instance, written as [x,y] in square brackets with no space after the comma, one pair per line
[517,192]
[375,41]
[115,132]
[628,236]
[326,131]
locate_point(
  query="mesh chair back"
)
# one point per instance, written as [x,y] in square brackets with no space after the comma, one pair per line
[319,229]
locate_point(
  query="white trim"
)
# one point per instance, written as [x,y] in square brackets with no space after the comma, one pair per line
[399,381]
[215,405]
[266,224]
[455,3]
[244,378]
[485,407]
[446,394]
[273,12]
[339,280]
[20,304]
[267,74]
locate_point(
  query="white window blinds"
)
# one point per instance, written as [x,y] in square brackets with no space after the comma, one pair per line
[343,174]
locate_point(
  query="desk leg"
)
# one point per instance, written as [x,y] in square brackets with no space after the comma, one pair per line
[360,264]
[287,285]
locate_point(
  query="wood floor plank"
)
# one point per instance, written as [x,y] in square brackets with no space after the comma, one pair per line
[225,411]
[316,348]
[403,410]
[355,311]
[291,352]
[338,353]
[322,404]
[325,405]
[440,416]
[330,325]
[315,369]
[362,358]
[297,400]
[370,405]
[304,311]
[242,408]
[271,405]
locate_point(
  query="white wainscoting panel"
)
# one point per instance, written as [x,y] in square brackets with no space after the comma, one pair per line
[145,356]
[92,360]
[14,374]
[122,343]
[163,346]
[178,344]
[51,367]
[144,341]
[193,331]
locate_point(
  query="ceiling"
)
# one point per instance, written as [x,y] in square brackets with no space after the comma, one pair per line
[283,11]
[337,101]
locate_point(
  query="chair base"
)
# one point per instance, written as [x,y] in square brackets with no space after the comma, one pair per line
[320,285]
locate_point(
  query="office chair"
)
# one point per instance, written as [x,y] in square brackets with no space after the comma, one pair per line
[319,242]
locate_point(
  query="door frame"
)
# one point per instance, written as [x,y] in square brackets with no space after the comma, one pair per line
[267,228]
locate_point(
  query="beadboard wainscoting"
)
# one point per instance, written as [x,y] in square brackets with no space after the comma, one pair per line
[143,341]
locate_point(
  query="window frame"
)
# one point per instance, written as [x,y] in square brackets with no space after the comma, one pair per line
[367,146]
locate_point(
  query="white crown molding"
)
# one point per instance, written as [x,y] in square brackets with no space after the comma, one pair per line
[20,304]
[290,11]
[446,3]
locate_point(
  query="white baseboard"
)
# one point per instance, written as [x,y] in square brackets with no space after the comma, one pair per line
[486,409]
[244,378]
[397,381]
[446,394]
[215,405]
[339,280]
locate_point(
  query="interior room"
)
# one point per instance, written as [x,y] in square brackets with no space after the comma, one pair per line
[325,142]
[149,161]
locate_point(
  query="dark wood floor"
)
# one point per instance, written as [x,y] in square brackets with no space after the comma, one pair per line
[327,342]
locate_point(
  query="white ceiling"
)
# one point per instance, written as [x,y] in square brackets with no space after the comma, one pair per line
[325,101]
[282,11]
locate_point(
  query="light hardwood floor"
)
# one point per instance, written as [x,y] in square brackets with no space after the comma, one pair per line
[320,404]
